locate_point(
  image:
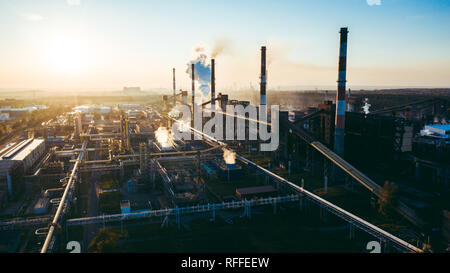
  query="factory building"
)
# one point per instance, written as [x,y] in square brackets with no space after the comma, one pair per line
[431,149]
[256,192]
[16,159]
[28,151]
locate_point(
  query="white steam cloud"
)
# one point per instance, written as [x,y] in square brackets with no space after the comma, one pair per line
[229,156]
[202,63]
[164,137]
[366,106]
[202,70]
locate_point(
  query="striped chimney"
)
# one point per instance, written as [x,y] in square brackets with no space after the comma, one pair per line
[193,94]
[262,89]
[213,83]
[193,84]
[174,88]
[340,96]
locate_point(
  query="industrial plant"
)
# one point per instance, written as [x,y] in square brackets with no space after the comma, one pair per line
[120,170]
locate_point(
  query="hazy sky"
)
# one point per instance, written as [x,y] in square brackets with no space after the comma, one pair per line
[81,44]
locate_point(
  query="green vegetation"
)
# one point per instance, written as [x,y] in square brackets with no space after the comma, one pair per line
[106,241]
[388,199]
[30,120]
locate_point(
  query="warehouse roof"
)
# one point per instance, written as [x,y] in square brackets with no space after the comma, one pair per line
[255,190]
[22,149]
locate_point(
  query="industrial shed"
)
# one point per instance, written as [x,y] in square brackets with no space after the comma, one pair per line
[252,192]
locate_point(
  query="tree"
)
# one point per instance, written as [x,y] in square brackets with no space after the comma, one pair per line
[388,199]
[97,116]
[106,241]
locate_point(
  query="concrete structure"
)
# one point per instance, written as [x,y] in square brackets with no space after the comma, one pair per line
[174,88]
[340,96]
[213,83]
[252,192]
[28,151]
[193,83]
[17,158]
[78,125]
[262,88]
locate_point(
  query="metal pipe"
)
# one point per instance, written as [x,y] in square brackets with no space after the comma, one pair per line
[56,219]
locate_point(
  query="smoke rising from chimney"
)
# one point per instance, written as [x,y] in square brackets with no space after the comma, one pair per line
[229,156]
[202,70]
[164,137]
[220,46]
[366,106]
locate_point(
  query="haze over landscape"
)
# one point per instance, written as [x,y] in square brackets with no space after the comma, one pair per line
[218,128]
[105,45]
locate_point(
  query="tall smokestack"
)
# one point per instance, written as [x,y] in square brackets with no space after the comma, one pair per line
[213,83]
[174,88]
[193,84]
[262,89]
[193,94]
[340,96]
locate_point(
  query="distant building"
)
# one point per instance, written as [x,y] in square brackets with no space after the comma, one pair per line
[132,89]
[89,109]
[17,112]
[430,150]
[4,116]
[129,107]
[28,151]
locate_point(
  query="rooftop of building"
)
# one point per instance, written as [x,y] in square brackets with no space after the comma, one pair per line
[437,131]
[443,127]
[256,190]
[20,150]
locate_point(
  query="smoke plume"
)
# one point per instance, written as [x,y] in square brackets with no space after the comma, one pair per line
[366,106]
[202,70]
[164,137]
[229,156]
[220,46]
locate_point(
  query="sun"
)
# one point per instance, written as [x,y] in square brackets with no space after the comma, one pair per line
[66,55]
